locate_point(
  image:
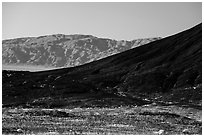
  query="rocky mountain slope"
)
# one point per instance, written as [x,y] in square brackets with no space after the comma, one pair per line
[165,71]
[155,89]
[63,50]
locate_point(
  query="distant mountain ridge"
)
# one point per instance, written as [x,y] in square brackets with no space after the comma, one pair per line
[63,50]
[167,71]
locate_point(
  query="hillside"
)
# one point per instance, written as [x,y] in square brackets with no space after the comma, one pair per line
[63,50]
[167,71]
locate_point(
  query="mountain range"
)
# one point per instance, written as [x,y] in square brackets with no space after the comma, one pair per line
[166,71]
[63,50]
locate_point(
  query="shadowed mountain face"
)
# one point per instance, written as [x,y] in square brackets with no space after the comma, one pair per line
[63,50]
[165,71]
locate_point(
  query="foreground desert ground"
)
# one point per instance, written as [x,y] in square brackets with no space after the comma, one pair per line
[148,119]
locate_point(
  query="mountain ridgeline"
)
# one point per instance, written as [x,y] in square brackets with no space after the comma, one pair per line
[63,50]
[164,71]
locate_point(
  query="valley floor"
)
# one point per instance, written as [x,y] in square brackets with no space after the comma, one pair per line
[30,68]
[147,119]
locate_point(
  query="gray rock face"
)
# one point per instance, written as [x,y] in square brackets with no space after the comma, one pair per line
[63,50]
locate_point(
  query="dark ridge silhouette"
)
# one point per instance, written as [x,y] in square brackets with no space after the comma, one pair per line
[170,68]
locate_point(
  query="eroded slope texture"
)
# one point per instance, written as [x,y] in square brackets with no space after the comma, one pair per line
[63,50]
[169,69]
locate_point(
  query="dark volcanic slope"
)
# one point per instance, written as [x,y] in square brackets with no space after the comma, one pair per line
[63,50]
[170,68]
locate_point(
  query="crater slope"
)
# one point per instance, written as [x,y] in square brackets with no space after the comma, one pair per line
[166,71]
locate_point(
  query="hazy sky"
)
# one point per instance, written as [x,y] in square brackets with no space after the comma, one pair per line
[121,21]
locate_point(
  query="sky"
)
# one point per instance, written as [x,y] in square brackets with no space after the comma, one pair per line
[119,21]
